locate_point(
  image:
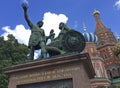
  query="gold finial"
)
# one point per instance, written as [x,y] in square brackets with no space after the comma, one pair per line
[96,12]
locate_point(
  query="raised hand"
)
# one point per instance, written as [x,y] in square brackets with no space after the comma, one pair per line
[25,5]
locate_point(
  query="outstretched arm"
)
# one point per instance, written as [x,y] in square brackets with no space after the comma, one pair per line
[26,17]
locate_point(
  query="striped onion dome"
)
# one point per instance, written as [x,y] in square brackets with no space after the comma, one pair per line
[90,37]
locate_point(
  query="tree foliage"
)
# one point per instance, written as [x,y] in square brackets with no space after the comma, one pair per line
[11,53]
[101,87]
[117,48]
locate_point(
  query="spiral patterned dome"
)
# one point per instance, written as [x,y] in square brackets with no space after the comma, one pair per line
[90,37]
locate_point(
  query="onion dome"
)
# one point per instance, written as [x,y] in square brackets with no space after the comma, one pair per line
[117,48]
[89,37]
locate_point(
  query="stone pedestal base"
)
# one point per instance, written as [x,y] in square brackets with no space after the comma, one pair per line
[69,71]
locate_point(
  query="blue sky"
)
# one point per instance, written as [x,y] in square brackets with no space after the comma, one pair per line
[72,12]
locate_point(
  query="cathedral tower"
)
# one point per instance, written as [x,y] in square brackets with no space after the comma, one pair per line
[106,39]
[97,62]
[105,47]
[104,34]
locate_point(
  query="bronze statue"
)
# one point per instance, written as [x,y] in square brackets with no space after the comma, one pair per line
[68,40]
[51,36]
[37,38]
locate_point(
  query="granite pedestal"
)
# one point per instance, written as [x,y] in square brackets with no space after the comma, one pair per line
[64,71]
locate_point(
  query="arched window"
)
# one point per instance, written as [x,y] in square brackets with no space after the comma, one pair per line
[109,74]
[105,56]
[114,72]
[119,71]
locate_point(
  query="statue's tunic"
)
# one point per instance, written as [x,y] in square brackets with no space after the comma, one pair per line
[37,36]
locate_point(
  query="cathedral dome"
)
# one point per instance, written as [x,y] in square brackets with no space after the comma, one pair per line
[90,37]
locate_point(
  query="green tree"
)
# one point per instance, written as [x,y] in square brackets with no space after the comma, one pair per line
[114,86]
[11,53]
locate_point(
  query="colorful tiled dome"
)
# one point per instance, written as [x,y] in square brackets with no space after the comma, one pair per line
[90,37]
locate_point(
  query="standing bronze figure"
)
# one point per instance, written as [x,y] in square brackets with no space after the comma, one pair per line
[37,38]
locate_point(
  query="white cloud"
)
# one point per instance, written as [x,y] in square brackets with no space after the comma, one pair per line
[117,4]
[51,21]
[20,33]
